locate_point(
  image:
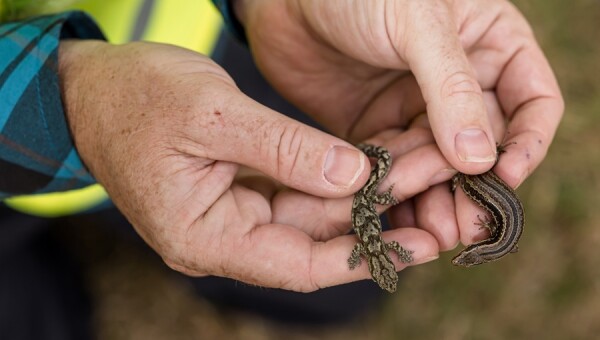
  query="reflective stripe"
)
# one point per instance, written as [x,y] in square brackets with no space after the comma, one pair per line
[116,17]
[141,22]
[192,24]
[59,203]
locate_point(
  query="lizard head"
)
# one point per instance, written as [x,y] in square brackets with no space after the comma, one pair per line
[468,257]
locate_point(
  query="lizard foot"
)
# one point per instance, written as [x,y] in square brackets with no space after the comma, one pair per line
[354,259]
[386,197]
[487,224]
[404,255]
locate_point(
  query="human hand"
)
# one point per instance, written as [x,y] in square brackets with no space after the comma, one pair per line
[182,153]
[361,67]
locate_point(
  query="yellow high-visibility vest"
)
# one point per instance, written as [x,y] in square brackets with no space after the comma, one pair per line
[192,24]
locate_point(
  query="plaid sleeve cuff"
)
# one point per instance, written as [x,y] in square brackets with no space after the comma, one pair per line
[37,153]
[234,26]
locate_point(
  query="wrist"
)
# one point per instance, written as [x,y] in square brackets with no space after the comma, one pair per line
[76,65]
[73,67]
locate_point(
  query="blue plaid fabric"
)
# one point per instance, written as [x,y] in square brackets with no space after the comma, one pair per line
[36,151]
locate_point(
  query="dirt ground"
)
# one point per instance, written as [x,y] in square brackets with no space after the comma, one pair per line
[551,291]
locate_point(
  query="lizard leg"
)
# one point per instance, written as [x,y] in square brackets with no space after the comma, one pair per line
[354,259]
[386,197]
[501,148]
[487,224]
[404,255]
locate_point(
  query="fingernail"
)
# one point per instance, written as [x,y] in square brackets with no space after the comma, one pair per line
[343,166]
[473,146]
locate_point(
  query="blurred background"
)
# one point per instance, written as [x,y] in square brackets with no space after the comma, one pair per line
[550,290]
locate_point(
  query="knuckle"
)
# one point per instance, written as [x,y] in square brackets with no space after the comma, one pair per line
[460,83]
[283,148]
[290,149]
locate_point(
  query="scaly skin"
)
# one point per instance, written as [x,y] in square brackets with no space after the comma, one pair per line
[367,225]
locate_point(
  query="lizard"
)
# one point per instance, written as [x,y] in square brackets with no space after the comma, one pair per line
[502,203]
[367,224]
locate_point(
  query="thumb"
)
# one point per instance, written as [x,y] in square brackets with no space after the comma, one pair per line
[295,154]
[455,104]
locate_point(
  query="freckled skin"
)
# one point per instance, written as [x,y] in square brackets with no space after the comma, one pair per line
[367,225]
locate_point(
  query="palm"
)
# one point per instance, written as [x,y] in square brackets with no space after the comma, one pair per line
[256,233]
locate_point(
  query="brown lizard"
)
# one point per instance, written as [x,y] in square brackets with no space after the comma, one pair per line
[367,225]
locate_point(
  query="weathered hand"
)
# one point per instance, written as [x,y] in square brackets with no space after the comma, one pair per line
[167,133]
[361,67]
